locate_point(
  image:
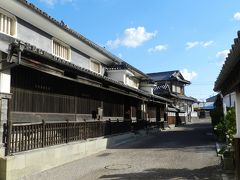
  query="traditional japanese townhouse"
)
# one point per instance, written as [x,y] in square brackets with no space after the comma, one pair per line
[227,83]
[171,84]
[133,77]
[56,86]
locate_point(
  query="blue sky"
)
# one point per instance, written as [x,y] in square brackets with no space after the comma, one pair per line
[158,35]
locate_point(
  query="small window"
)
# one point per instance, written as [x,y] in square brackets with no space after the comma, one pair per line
[7,24]
[126,79]
[130,81]
[61,50]
[178,89]
[95,67]
[173,88]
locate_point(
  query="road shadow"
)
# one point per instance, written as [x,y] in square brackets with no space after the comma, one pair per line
[199,136]
[210,172]
[197,125]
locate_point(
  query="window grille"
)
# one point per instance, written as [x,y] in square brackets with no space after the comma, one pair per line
[61,50]
[95,67]
[7,24]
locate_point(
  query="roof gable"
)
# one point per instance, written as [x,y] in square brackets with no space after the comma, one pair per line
[161,76]
[168,76]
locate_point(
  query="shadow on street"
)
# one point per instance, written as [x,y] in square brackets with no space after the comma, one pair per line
[198,136]
[210,172]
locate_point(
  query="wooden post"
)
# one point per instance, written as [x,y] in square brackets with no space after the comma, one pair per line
[85,129]
[4,118]
[237,157]
[67,131]
[118,126]
[99,128]
[43,133]
[9,139]
[110,127]
[9,122]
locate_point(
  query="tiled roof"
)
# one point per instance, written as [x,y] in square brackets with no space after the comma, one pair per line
[28,48]
[228,78]
[161,76]
[63,26]
[167,76]
[125,65]
[183,97]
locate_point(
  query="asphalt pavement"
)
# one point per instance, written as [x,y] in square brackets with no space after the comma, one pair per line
[186,152]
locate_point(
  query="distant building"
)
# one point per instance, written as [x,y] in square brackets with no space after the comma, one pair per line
[211,99]
[171,84]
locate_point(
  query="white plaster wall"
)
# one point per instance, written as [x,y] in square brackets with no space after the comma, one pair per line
[147,87]
[5,82]
[230,99]
[132,83]
[117,75]
[233,97]
[182,114]
[194,114]
[80,60]
[121,76]
[42,40]
[34,36]
[237,109]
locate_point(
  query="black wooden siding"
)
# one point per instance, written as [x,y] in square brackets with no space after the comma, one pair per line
[34,91]
[151,110]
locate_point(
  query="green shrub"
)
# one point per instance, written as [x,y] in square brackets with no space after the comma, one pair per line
[226,127]
[230,120]
[220,130]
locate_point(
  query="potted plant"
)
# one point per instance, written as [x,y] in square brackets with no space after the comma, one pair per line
[227,157]
[227,128]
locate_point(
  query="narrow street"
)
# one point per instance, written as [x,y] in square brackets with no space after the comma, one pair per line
[186,152]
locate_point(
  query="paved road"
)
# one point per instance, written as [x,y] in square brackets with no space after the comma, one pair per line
[183,153]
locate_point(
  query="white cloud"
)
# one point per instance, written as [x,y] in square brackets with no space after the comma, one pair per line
[188,75]
[190,45]
[206,44]
[221,55]
[158,48]
[236,16]
[132,38]
[54,2]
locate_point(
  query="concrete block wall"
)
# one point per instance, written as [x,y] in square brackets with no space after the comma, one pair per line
[34,161]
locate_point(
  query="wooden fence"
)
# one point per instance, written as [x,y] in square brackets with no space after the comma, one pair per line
[28,136]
